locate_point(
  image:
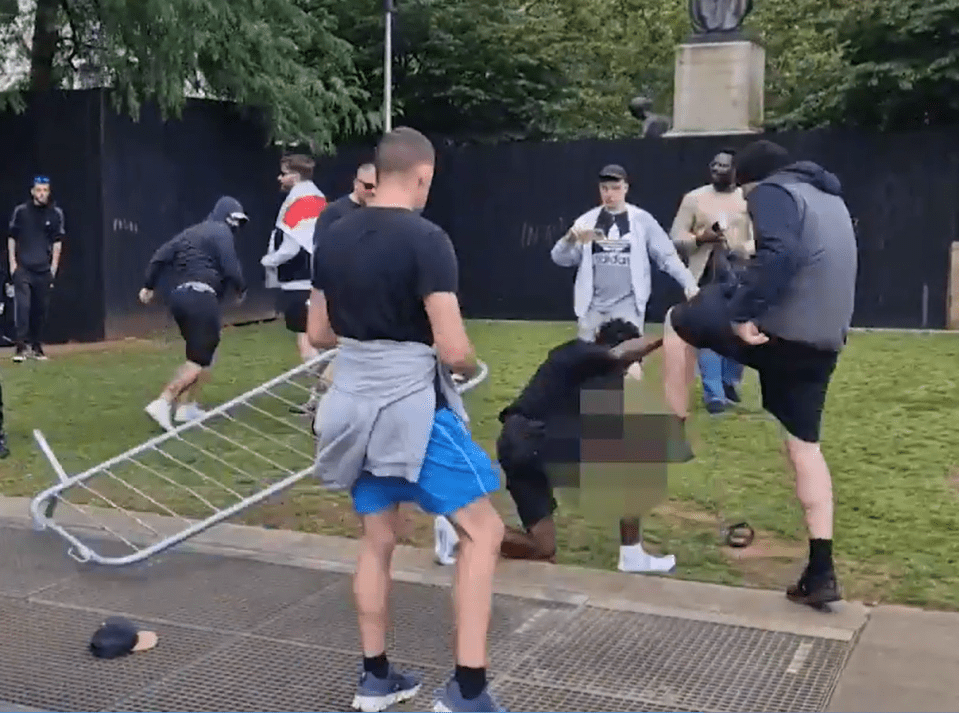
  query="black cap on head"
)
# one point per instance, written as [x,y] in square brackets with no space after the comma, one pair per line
[760,160]
[613,172]
[118,637]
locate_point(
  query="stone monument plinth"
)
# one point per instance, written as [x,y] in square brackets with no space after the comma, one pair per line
[719,87]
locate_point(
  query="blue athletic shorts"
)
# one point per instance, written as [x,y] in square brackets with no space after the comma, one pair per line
[455,473]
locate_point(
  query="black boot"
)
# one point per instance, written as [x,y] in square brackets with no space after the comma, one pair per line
[815,590]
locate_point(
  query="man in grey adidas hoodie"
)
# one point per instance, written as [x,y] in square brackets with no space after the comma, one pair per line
[787,317]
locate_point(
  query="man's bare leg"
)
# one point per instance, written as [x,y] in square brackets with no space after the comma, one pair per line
[371,584]
[192,393]
[814,491]
[481,534]
[679,369]
[162,409]
[380,685]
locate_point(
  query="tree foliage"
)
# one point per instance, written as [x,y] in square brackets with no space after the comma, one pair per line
[249,51]
[461,68]
[482,69]
[899,69]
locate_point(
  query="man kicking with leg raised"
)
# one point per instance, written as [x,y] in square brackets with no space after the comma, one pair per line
[787,317]
[392,426]
[203,263]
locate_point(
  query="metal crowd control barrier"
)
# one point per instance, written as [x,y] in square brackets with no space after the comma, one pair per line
[196,475]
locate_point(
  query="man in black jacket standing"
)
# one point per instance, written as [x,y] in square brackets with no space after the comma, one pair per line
[203,263]
[35,238]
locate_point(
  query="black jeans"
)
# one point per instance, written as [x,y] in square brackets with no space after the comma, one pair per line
[31,297]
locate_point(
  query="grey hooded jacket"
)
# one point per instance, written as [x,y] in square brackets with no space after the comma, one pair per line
[377,416]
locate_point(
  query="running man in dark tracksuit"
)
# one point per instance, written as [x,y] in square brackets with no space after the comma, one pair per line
[35,238]
[203,263]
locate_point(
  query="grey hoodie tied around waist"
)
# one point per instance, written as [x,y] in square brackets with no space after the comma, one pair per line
[378,414]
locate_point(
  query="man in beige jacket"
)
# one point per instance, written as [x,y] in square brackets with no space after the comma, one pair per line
[712,223]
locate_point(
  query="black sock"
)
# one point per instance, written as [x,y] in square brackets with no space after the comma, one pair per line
[471,681]
[820,556]
[377,665]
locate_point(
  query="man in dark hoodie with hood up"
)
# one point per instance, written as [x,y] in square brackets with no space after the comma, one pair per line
[786,316]
[202,263]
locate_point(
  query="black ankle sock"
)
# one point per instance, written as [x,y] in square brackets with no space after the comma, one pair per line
[820,556]
[377,665]
[471,681]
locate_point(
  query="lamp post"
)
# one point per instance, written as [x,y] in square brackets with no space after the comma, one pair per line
[389,7]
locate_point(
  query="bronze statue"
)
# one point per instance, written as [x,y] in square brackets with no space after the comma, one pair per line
[710,16]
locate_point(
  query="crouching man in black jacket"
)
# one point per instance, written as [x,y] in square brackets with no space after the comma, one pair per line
[203,263]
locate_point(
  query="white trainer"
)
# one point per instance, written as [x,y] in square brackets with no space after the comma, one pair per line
[159,411]
[446,541]
[634,559]
[188,412]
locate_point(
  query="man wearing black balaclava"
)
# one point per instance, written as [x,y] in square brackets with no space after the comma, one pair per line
[202,263]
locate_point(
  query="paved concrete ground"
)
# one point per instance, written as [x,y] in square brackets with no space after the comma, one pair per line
[259,620]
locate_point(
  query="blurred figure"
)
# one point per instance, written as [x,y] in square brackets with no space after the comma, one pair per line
[712,228]
[610,247]
[203,262]
[539,428]
[37,229]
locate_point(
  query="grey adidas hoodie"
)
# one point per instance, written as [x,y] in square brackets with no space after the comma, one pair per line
[801,283]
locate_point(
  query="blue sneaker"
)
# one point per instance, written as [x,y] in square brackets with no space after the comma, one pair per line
[377,694]
[450,700]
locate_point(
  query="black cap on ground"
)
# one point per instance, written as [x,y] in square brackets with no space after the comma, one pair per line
[118,637]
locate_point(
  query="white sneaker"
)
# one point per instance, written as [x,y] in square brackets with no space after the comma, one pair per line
[159,411]
[188,412]
[633,558]
[446,541]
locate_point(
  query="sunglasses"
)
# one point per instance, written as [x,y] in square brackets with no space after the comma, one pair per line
[367,186]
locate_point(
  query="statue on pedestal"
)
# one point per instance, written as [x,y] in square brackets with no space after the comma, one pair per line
[718,16]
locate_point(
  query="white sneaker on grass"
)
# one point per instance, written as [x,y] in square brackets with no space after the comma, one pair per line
[159,411]
[188,412]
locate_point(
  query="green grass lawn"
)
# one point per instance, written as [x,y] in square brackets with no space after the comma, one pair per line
[889,436]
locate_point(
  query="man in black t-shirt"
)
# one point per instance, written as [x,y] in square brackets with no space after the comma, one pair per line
[385,278]
[364,186]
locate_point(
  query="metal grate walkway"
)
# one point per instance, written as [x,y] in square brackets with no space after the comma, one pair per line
[242,635]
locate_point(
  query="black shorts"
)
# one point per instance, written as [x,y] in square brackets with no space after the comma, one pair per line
[292,305]
[518,452]
[793,376]
[197,314]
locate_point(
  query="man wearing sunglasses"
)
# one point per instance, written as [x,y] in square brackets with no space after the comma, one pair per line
[201,263]
[364,185]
